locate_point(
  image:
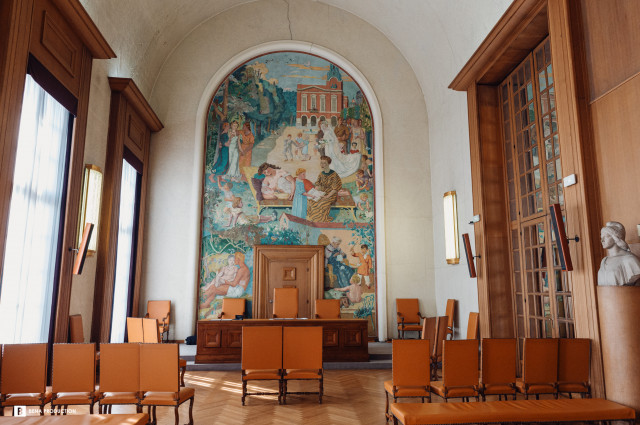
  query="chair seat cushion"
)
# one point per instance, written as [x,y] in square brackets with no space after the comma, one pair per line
[535,388]
[119,398]
[439,388]
[302,374]
[75,398]
[31,399]
[411,327]
[406,391]
[251,374]
[572,388]
[498,389]
[167,399]
[182,363]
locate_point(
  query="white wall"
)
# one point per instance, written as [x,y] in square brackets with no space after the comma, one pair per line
[172,234]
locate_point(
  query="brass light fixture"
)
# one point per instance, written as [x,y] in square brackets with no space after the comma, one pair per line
[90,205]
[452,248]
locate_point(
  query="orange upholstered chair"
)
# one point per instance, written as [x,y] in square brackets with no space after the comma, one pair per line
[261,357]
[409,317]
[574,358]
[450,313]
[76,333]
[285,303]
[151,335]
[160,310]
[410,373]
[232,307]
[23,379]
[134,329]
[119,375]
[459,370]
[439,338]
[540,367]
[472,326]
[74,375]
[302,358]
[159,382]
[429,331]
[499,363]
[327,309]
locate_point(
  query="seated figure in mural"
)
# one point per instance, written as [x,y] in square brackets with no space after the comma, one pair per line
[238,217]
[233,288]
[335,257]
[354,290]
[620,266]
[330,183]
[276,181]
[342,162]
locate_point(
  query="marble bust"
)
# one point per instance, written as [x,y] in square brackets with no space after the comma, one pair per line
[620,266]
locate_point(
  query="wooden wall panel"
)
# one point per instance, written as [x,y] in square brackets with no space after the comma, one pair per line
[612,56]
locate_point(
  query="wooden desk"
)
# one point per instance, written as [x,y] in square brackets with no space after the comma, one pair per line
[344,340]
[128,419]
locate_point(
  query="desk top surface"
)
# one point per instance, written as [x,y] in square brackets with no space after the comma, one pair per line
[281,320]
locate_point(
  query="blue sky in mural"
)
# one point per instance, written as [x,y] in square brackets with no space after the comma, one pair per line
[301,68]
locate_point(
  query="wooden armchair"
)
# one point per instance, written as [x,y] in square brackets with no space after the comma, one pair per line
[302,358]
[232,307]
[76,333]
[459,370]
[261,358]
[74,376]
[159,382]
[119,376]
[161,311]
[24,376]
[499,363]
[574,361]
[327,309]
[439,338]
[472,326]
[450,313]
[285,303]
[409,317]
[410,373]
[134,329]
[540,367]
[151,335]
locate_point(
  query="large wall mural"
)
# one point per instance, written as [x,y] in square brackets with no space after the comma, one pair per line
[289,161]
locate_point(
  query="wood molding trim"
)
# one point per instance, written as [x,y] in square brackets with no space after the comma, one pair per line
[86,29]
[136,99]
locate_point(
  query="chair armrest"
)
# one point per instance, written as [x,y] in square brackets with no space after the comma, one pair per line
[146,316]
[421,316]
[220,315]
[166,318]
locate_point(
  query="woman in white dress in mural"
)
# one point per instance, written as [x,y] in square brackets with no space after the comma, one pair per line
[343,164]
[233,172]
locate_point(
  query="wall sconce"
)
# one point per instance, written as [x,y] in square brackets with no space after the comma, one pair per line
[451,228]
[90,205]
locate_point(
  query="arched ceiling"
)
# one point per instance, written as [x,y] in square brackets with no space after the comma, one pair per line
[435,36]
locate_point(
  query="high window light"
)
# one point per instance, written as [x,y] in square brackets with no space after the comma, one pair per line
[451,228]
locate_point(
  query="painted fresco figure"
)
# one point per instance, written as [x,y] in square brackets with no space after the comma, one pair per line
[343,134]
[233,171]
[335,257]
[234,288]
[344,165]
[328,182]
[365,264]
[276,180]
[238,217]
[354,290]
[248,140]
[620,266]
[299,208]
[222,162]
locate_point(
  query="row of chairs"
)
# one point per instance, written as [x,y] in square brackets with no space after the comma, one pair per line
[285,306]
[282,354]
[550,366]
[130,374]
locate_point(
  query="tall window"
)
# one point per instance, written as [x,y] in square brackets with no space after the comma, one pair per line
[534,179]
[313,103]
[323,102]
[334,103]
[304,103]
[36,215]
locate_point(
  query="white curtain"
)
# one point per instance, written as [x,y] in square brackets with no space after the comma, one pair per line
[31,250]
[123,256]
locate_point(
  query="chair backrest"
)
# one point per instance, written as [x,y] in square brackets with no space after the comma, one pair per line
[74,368]
[499,361]
[159,309]
[472,326]
[441,335]
[285,303]
[150,333]
[76,333]
[574,358]
[410,362]
[429,331]
[540,361]
[159,368]
[450,312]
[302,347]
[327,309]
[24,368]
[119,367]
[409,309]
[232,307]
[134,329]
[460,363]
[261,347]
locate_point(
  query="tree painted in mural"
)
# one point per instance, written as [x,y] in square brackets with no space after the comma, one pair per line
[289,161]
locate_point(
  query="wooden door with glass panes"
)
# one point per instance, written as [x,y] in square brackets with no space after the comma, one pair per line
[542,291]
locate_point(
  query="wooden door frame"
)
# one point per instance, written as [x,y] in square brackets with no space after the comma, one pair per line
[265,254]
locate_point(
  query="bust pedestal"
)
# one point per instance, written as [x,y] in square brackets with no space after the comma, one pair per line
[619,314]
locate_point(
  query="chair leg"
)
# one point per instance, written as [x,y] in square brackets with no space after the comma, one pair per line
[91,409]
[191,411]
[182,372]
[244,391]
[320,390]
[155,416]
[386,405]
[284,392]
[177,415]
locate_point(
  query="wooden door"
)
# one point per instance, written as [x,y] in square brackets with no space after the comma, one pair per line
[287,266]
